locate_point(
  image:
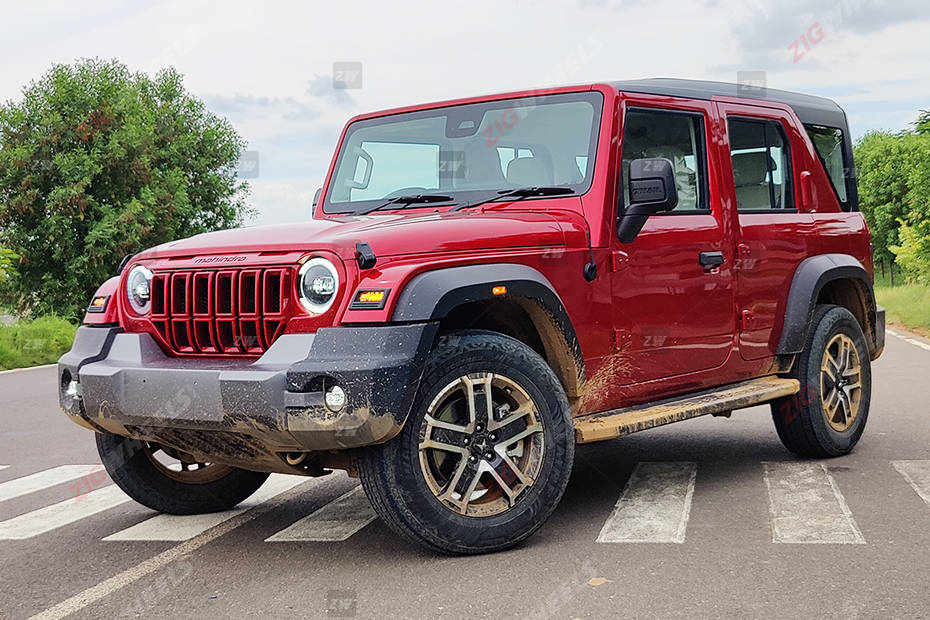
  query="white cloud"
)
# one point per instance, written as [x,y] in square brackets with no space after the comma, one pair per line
[268,67]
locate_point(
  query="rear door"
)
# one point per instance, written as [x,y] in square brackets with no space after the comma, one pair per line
[672,314]
[772,233]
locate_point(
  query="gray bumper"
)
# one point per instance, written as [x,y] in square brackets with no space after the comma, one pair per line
[247,412]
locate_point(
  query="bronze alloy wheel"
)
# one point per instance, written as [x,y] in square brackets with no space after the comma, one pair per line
[481,444]
[183,467]
[840,382]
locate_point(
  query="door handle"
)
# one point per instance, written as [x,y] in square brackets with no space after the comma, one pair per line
[711,259]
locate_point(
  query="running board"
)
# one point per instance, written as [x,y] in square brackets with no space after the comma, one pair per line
[620,422]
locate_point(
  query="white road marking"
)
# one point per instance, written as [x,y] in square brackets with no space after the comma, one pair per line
[176,528]
[129,576]
[51,477]
[4,466]
[9,372]
[334,522]
[918,343]
[61,514]
[655,505]
[807,506]
[917,474]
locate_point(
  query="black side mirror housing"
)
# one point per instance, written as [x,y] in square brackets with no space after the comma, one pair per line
[652,190]
[316,196]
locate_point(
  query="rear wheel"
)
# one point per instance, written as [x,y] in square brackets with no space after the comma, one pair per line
[827,417]
[169,481]
[485,454]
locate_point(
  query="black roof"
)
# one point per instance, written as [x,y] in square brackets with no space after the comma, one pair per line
[811,110]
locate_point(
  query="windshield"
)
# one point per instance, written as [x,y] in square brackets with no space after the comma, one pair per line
[468,150]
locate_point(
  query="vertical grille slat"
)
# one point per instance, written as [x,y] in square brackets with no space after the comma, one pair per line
[223,312]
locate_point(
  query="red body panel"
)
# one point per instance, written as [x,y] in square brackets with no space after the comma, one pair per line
[654,320]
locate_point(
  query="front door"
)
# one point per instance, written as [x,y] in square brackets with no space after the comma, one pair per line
[673,305]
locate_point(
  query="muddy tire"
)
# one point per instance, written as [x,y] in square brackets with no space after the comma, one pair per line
[485,454]
[827,417]
[133,466]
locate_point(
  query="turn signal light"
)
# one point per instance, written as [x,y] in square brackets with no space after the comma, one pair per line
[499,290]
[369,299]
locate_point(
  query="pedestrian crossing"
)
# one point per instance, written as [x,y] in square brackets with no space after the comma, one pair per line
[805,506]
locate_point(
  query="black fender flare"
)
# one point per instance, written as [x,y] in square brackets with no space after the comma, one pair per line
[811,275]
[431,295]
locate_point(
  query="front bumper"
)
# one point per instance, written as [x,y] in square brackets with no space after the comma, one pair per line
[247,413]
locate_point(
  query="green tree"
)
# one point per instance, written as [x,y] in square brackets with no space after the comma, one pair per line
[922,124]
[97,162]
[883,187]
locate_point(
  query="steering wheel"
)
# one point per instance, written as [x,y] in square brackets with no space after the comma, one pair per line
[404,191]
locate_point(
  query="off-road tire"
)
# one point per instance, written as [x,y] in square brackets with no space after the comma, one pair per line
[800,421]
[131,469]
[391,473]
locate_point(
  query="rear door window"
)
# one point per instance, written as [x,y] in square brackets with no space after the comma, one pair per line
[761,165]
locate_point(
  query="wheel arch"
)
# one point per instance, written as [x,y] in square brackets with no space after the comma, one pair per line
[530,311]
[838,279]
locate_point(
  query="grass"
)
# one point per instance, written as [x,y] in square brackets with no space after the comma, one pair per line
[905,304]
[33,343]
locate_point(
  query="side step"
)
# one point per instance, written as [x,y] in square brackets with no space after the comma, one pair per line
[620,422]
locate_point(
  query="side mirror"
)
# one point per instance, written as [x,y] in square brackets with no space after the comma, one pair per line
[361,183]
[652,190]
[316,196]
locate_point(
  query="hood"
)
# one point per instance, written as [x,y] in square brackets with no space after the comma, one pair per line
[388,235]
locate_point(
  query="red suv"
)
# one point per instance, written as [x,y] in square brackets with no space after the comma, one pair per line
[485,283]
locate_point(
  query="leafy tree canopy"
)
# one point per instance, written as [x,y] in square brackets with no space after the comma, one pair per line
[97,162]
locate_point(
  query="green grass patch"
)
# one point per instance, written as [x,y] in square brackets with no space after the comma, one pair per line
[906,304]
[33,343]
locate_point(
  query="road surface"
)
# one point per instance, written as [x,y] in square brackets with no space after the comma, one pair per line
[709,518]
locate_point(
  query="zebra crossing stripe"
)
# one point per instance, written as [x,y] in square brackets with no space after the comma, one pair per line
[57,515]
[334,522]
[178,528]
[45,479]
[917,474]
[655,505]
[807,507]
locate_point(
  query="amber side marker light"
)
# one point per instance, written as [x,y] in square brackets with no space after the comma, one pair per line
[98,303]
[369,299]
[499,290]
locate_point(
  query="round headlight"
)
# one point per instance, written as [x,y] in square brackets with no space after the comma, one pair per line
[318,284]
[139,289]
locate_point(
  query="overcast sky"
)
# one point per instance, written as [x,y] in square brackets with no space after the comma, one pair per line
[268,66]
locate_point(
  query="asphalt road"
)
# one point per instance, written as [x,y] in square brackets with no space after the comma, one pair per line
[754,532]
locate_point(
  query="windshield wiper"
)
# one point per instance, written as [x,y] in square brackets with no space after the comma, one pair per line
[405,201]
[520,193]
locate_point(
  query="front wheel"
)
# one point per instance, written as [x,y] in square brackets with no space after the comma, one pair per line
[827,417]
[485,454]
[172,482]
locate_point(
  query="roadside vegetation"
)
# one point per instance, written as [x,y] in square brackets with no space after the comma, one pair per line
[906,305]
[894,195]
[33,343]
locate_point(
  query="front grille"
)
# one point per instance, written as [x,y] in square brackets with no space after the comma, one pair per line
[223,312]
